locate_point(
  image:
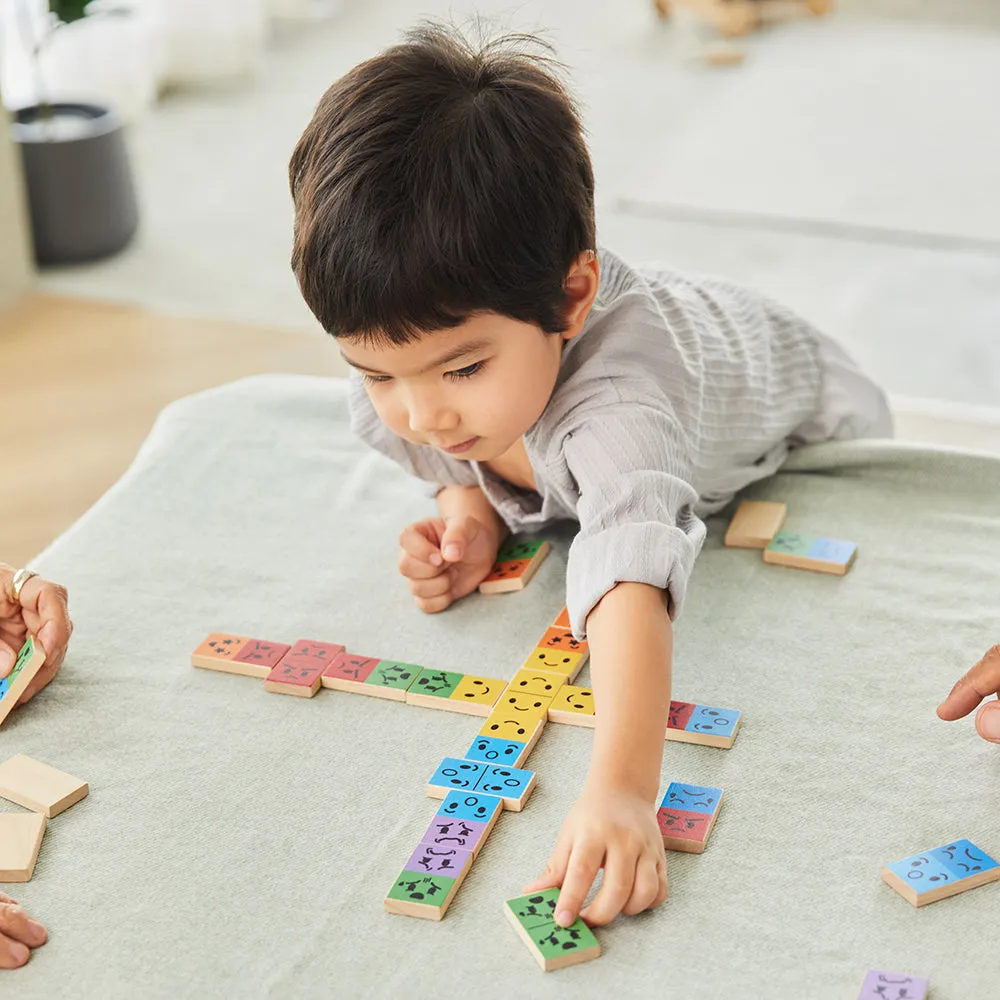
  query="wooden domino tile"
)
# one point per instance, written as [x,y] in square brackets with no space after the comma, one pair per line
[464,820]
[349,672]
[944,871]
[822,555]
[552,946]
[516,563]
[218,652]
[512,753]
[504,725]
[453,692]
[711,727]
[755,523]
[301,676]
[562,619]
[476,695]
[432,688]
[512,784]
[687,815]
[561,640]
[881,985]
[35,785]
[389,679]
[573,706]
[257,658]
[28,662]
[536,682]
[20,839]
[424,895]
[554,661]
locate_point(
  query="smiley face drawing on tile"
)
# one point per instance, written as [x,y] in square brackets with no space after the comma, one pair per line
[518,704]
[504,726]
[536,682]
[554,661]
[575,699]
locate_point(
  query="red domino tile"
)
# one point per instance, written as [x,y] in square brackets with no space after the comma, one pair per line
[682,825]
[304,673]
[308,652]
[562,638]
[680,714]
[261,651]
[351,667]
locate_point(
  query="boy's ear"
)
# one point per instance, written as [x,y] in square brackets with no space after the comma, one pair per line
[580,286]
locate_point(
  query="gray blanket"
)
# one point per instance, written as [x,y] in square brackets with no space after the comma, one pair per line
[237,843]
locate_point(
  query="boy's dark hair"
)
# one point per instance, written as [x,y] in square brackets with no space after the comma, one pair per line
[437,180]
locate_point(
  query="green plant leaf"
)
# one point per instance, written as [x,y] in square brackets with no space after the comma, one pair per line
[68,10]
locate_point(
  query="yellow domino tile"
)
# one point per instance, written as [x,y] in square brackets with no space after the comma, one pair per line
[477,695]
[536,682]
[553,661]
[573,705]
[512,725]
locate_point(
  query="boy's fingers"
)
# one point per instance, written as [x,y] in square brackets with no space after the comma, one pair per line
[13,954]
[988,721]
[980,682]
[581,870]
[619,878]
[457,536]
[645,889]
[437,587]
[432,605]
[18,926]
[414,568]
[420,541]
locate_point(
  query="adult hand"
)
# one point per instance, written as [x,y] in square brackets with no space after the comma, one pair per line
[979,683]
[42,610]
[18,934]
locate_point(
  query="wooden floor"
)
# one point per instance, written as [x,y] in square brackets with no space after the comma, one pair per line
[80,385]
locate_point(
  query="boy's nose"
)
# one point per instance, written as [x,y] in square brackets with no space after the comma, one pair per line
[428,418]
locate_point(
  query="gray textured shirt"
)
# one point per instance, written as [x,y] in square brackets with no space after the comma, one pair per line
[679,392]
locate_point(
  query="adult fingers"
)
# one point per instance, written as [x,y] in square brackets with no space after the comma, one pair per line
[18,933]
[980,682]
[645,888]
[988,721]
[7,656]
[581,870]
[619,879]
[41,679]
[49,602]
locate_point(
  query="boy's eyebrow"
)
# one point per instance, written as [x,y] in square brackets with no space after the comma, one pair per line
[449,356]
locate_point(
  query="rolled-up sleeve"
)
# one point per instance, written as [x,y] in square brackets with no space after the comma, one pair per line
[635,507]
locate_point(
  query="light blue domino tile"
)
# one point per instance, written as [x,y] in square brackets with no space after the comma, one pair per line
[454,772]
[471,806]
[3,687]
[493,751]
[831,550]
[714,721]
[508,782]
[923,872]
[963,858]
[691,798]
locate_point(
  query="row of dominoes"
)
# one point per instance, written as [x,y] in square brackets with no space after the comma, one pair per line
[757,524]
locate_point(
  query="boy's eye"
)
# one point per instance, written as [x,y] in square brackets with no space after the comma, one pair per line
[373,379]
[468,371]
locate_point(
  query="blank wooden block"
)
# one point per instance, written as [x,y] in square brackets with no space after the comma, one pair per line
[35,785]
[28,662]
[755,523]
[821,555]
[425,896]
[942,872]
[687,815]
[218,652]
[515,566]
[553,947]
[20,839]
[573,706]
[554,661]
[702,724]
[881,985]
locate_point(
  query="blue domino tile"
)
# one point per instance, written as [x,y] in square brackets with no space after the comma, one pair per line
[453,772]
[493,751]
[831,550]
[714,721]
[922,872]
[691,798]
[962,858]
[508,782]
[471,806]
[3,687]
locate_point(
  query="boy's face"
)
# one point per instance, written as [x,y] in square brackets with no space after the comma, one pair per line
[471,391]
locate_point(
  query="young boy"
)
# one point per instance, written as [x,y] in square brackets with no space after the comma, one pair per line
[445,234]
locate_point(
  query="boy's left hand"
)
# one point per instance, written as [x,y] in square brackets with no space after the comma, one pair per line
[615,829]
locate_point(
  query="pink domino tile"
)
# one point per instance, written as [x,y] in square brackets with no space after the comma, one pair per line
[680,714]
[262,653]
[351,667]
[309,653]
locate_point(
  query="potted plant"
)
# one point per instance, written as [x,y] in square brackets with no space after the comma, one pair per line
[81,197]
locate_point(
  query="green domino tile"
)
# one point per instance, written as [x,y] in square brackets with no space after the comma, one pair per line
[435,683]
[421,888]
[26,653]
[536,909]
[554,941]
[391,674]
[519,548]
[792,543]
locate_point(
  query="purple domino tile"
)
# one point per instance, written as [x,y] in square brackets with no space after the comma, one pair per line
[452,831]
[882,985]
[430,859]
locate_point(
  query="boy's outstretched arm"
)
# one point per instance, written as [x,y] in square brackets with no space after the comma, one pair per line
[613,823]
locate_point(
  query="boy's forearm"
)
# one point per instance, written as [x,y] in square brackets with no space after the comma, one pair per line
[631,647]
[454,501]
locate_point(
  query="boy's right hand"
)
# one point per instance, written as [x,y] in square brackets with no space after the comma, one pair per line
[18,934]
[444,559]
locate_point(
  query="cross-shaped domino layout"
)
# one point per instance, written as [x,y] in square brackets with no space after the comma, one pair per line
[490,778]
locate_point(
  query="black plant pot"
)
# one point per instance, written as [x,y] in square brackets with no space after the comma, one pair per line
[80,191]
